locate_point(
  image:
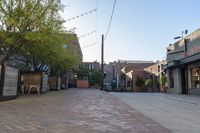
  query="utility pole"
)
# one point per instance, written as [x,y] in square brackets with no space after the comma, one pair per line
[102,58]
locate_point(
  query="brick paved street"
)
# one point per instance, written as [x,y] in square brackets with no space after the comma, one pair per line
[73,111]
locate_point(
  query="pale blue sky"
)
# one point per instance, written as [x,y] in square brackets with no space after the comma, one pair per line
[140,30]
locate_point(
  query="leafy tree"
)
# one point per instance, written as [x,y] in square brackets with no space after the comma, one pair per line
[149,83]
[36,55]
[97,76]
[27,23]
[69,61]
[59,56]
[69,56]
[139,83]
[163,79]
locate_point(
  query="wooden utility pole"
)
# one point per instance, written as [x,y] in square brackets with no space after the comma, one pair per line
[102,58]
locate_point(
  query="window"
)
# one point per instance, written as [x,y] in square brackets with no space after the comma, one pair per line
[129,84]
[158,68]
[90,67]
[195,78]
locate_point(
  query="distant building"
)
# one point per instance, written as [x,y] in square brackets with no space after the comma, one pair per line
[156,71]
[183,65]
[126,72]
[91,65]
[73,41]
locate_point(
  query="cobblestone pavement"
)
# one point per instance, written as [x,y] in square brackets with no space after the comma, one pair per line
[73,111]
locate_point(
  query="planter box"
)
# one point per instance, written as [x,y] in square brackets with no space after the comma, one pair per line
[8,82]
[54,83]
[39,79]
[82,83]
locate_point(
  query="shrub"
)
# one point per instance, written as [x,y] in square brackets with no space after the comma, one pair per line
[97,76]
[139,83]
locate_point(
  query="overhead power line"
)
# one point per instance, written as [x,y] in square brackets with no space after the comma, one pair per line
[110,19]
[81,15]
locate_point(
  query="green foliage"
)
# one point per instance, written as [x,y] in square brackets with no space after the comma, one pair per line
[50,52]
[139,82]
[82,72]
[29,24]
[149,83]
[97,76]
[163,79]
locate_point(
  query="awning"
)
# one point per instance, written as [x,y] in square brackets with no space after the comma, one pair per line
[184,61]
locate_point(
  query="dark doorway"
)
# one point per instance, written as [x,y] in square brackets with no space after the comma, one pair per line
[184,81]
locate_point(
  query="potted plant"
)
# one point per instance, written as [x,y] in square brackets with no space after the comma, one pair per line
[82,77]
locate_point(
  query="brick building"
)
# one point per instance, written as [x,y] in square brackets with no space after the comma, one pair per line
[91,65]
[126,73]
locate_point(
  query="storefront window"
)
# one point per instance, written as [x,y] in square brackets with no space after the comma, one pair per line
[195,78]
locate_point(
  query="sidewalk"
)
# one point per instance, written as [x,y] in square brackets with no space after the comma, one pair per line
[179,113]
[191,99]
[73,111]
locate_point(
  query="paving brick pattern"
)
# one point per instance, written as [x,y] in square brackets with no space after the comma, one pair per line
[73,111]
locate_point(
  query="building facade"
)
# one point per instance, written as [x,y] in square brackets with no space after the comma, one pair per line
[126,73]
[183,65]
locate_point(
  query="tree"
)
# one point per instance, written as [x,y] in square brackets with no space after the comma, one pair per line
[149,83]
[57,56]
[163,80]
[82,72]
[98,76]
[139,83]
[26,23]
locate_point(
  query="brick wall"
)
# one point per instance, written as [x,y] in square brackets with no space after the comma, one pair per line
[82,84]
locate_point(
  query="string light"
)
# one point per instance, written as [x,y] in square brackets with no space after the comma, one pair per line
[87,34]
[81,15]
[87,46]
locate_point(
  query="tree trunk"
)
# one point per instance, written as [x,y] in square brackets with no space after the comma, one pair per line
[4,58]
